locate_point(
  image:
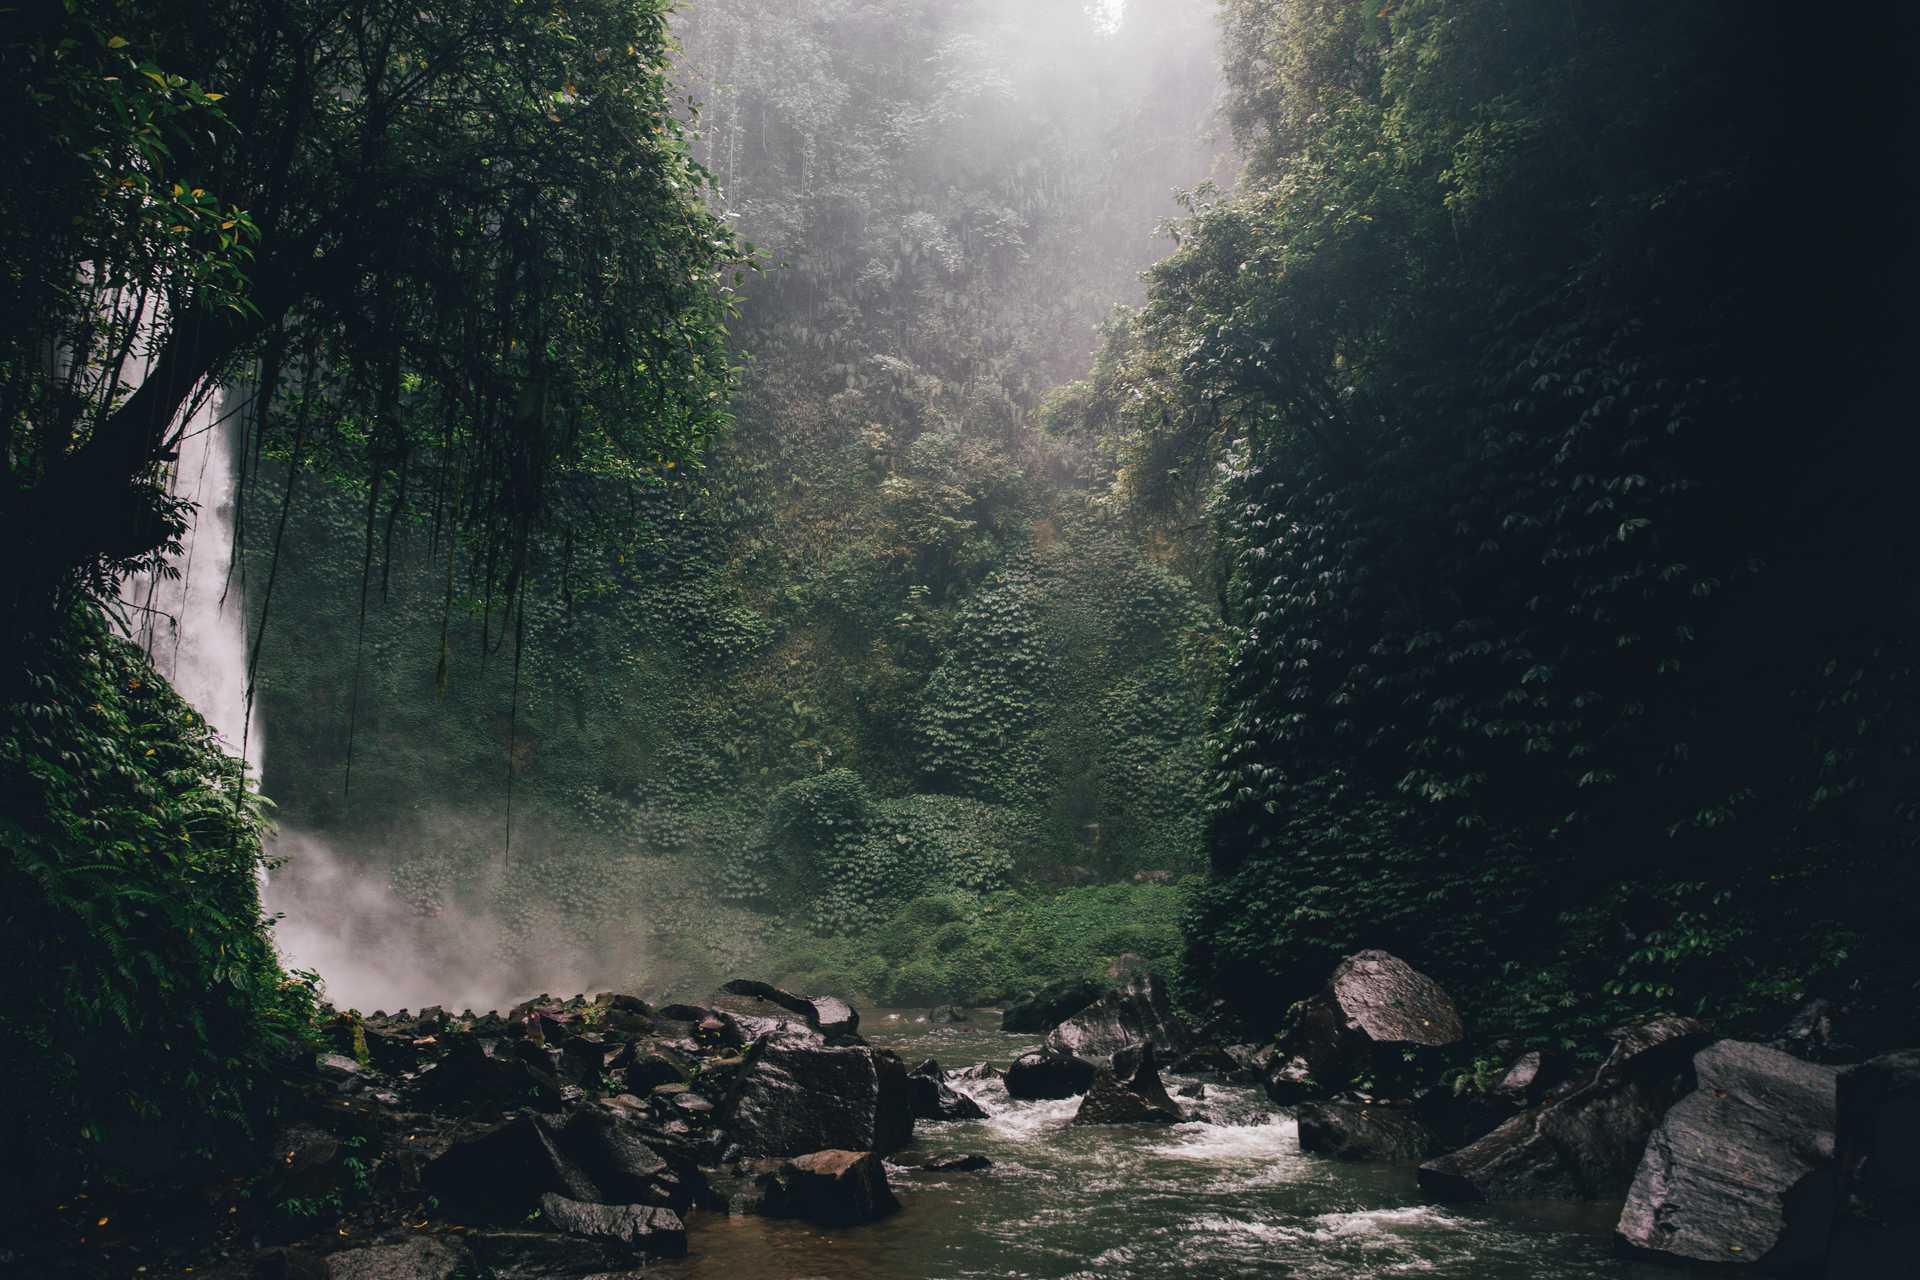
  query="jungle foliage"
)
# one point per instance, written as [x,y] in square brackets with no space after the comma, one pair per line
[883,642]
[458,255]
[1535,383]
[143,1010]
[469,238]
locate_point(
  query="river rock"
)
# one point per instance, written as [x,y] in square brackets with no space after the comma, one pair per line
[933,1099]
[1139,1098]
[1877,1158]
[948,1162]
[647,1073]
[499,1175]
[1048,1073]
[946,1015]
[1741,1169]
[1584,1144]
[1364,1131]
[829,1015]
[1289,1079]
[1051,1005]
[793,1095]
[420,1258]
[1530,1078]
[538,1255]
[483,1077]
[1120,1019]
[1375,1013]
[1207,1060]
[649,1231]
[627,1160]
[979,1071]
[829,1189]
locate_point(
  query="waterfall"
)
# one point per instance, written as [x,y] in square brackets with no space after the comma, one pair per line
[194,626]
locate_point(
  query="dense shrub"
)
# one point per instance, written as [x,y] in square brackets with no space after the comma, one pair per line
[982,949]
[142,1005]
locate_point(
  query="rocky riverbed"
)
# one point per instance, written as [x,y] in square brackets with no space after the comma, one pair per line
[767,1134]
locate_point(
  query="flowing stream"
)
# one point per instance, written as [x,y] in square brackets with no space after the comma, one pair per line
[1229,1197]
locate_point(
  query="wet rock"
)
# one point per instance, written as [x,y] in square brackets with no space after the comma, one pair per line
[1741,1169]
[477,1078]
[1250,1063]
[344,1074]
[587,1060]
[1139,1098]
[1364,1131]
[500,1175]
[1531,1077]
[1194,1090]
[421,1258]
[830,1016]
[307,1163]
[946,1015]
[1048,1073]
[622,1157]
[933,1099]
[646,1074]
[948,1162]
[1207,1060]
[1456,1119]
[647,1230]
[276,1264]
[830,1189]
[392,1052]
[536,1255]
[1289,1079]
[1051,1005]
[1375,1013]
[980,1071]
[794,1095]
[1584,1144]
[1877,1159]
[1120,1019]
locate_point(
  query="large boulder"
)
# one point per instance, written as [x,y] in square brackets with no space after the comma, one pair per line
[793,1095]
[933,1099]
[1138,1098]
[1877,1157]
[1586,1143]
[499,1176]
[646,1230]
[1364,1131]
[1741,1169]
[626,1159]
[829,1189]
[829,1015]
[1131,1015]
[480,1076]
[1048,1073]
[1379,1023]
[1051,1005]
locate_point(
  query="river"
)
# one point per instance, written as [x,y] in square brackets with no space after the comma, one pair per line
[1230,1197]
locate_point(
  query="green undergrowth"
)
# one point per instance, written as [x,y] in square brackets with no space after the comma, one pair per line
[984,949]
[141,1003]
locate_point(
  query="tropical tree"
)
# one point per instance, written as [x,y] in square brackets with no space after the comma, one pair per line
[466,238]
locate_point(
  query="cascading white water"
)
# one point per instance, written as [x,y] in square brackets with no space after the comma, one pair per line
[368,945]
[194,626]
